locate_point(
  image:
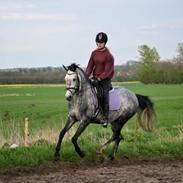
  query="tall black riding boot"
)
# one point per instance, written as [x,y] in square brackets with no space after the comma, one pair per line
[106,85]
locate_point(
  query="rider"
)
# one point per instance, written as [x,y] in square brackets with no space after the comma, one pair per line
[101,66]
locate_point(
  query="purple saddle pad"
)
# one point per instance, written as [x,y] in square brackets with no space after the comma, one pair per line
[114,100]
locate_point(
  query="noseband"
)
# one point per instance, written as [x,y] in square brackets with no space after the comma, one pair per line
[72,88]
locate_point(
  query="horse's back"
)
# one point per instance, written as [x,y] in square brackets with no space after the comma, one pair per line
[122,98]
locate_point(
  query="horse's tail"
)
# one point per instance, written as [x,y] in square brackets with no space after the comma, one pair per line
[146,115]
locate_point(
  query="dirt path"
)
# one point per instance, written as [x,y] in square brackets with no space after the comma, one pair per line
[144,171]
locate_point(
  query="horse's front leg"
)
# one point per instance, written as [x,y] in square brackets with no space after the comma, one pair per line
[68,125]
[79,131]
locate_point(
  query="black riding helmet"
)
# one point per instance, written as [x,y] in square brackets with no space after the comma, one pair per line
[101,37]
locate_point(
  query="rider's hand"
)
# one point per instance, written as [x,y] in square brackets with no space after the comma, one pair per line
[94,81]
[98,79]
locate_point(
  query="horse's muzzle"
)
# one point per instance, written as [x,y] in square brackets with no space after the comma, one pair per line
[68,98]
[68,95]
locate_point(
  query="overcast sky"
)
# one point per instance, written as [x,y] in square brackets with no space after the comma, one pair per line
[39,33]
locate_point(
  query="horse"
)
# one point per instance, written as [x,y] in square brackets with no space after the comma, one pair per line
[83,107]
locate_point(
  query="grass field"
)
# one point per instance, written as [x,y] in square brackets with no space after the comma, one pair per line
[46,108]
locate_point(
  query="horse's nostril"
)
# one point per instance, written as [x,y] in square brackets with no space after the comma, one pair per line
[69,98]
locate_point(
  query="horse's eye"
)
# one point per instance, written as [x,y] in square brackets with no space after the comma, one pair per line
[74,79]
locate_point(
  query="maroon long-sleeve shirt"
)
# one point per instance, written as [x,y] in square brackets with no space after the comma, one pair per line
[101,64]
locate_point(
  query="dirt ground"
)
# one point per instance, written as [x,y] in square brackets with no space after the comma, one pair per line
[127,171]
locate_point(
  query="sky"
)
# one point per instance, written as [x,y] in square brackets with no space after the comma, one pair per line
[41,33]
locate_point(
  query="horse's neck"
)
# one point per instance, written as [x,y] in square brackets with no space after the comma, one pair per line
[82,101]
[86,92]
[85,95]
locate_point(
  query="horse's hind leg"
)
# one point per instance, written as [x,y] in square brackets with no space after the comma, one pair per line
[105,145]
[115,148]
[116,128]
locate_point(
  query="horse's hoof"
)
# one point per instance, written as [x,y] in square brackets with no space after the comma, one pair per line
[111,157]
[82,154]
[56,157]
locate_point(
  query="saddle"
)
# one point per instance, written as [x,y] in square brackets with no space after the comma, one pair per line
[114,97]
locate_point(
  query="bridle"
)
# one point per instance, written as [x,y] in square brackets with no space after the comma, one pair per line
[73,90]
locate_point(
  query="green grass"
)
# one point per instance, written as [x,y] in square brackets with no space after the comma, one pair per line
[46,108]
[43,105]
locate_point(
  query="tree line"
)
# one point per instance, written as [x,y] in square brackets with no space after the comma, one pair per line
[32,75]
[56,75]
[149,68]
[153,70]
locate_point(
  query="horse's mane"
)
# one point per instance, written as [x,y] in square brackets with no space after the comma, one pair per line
[73,67]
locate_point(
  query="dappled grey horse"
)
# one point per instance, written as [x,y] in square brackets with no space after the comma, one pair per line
[84,107]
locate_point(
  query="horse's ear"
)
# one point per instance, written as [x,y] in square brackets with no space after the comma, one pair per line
[65,67]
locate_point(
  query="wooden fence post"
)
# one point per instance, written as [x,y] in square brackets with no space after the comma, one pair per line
[26,131]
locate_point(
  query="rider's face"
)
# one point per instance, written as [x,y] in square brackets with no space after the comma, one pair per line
[100,45]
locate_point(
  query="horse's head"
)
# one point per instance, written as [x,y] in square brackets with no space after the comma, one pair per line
[72,80]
